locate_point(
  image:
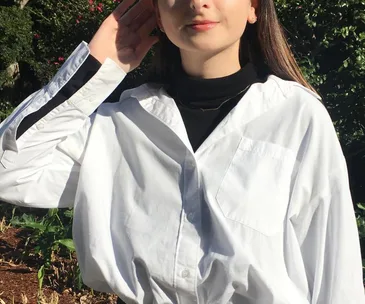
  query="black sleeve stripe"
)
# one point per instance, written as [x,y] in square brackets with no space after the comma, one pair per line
[82,76]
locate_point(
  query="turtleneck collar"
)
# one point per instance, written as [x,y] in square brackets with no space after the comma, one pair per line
[209,93]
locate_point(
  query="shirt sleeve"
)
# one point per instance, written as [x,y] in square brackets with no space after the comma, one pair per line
[42,142]
[322,214]
[87,70]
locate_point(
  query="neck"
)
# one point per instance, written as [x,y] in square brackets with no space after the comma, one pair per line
[206,66]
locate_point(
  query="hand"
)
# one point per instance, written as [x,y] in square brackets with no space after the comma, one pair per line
[124,37]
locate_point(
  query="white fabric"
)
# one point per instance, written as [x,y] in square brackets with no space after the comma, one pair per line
[260,213]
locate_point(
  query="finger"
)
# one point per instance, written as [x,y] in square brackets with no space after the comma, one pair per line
[136,10]
[146,44]
[140,20]
[147,26]
[122,8]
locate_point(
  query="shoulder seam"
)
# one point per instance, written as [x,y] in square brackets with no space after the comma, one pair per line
[289,84]
[274,78]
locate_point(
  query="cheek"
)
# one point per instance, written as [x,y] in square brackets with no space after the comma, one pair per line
[172,17]
[235,23]
[167,13]
[235,13]
[238,24]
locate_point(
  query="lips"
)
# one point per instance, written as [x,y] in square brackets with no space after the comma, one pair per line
[202,25]
[201,22]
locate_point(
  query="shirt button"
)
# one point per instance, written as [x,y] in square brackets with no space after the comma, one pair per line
[191,216]
[185,273]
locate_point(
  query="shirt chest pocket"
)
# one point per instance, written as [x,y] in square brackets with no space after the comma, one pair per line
[255,188]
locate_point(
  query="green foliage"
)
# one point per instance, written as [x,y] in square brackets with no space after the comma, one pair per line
[51,236]
[5,106]
[361,220]
[40,37]
[15,38]
[40,277]
[49,232]
[59,26]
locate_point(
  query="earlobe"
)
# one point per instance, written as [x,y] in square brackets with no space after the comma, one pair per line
[252,20]
[252,17]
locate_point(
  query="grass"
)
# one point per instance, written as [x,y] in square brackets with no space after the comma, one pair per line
[4,227]
[42,299]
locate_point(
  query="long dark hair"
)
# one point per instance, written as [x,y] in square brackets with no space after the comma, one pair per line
[263,43]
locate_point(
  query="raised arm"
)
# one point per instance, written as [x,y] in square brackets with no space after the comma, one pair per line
[43,140]
[41,143]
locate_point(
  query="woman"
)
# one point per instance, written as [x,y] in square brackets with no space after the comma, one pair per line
[223,183]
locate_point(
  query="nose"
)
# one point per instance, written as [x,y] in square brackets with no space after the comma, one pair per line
[198,5]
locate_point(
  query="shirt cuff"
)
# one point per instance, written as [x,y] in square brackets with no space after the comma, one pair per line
[88,69]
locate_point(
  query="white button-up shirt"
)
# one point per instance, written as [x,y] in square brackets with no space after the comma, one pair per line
[261,213]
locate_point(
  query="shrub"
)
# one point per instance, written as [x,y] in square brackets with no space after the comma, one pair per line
[15,39]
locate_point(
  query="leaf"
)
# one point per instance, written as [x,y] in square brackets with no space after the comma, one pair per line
[52,212]
[28,224]
[361,206]
[68,243]
[79,282]
[40,277]
[69,213]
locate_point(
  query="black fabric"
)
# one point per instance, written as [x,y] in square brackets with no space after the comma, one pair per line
[200,100]
[82,76]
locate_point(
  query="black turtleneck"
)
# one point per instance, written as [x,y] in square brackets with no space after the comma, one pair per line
[203,103]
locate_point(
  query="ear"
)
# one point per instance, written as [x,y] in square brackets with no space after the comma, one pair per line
[157,13]
[252,15]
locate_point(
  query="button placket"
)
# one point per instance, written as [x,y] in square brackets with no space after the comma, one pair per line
[189,239]
[186,259]
[192,204]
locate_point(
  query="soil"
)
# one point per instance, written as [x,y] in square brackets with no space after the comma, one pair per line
[18,277]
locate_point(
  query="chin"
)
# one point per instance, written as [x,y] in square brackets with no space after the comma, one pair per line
[202,44]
